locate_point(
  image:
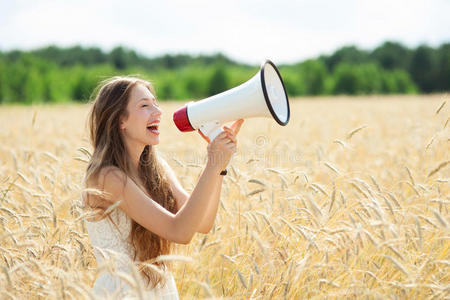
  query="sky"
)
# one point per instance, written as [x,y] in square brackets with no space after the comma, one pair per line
[246,31]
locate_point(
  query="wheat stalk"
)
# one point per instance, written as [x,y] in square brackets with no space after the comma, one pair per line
[351,133]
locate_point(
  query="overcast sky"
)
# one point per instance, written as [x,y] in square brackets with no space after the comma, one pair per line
[247,31]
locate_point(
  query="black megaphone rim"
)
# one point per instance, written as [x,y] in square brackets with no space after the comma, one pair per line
[266,95]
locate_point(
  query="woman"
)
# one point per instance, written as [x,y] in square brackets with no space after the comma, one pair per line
[145,206]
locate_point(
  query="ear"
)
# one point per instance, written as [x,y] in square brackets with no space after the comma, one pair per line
[122,123]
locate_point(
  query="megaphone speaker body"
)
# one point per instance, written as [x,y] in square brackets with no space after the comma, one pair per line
[264,95]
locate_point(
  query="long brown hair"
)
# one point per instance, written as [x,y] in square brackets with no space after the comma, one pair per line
[109,105]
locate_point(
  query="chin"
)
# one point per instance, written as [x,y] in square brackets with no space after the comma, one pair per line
[153,142]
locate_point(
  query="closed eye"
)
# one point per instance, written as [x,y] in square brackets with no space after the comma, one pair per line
[154,102]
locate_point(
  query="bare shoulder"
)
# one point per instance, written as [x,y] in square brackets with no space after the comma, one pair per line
[110,173]
[106,187]
[112,181]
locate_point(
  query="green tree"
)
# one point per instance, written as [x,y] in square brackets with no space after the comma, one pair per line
[392,55]
[166,91]
[293,79]
[218,81]
[293,84]
[397,82]
[118,58]
[404,82]
[23,79]
[83,83]
[369,78]
[314,75]
[443,68]
[345,79]
[194,87]
[3,83]
[347,54]
[423,68]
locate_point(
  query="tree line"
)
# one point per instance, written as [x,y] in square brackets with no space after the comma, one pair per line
[55,74]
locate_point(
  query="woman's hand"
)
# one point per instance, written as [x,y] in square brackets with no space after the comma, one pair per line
[235,127]
[223,146]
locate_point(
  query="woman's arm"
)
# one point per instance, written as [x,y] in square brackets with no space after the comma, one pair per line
[179,227]
[211,211]
[181,196]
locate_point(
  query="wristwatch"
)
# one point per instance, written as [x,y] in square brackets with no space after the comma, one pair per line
[224,172]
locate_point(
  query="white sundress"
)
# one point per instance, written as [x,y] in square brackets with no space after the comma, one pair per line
[111,245]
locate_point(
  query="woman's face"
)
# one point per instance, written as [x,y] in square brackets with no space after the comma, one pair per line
[144,115]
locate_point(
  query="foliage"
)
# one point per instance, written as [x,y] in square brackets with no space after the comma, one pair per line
[54,74]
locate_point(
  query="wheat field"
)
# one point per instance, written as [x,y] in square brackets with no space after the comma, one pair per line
[349,200]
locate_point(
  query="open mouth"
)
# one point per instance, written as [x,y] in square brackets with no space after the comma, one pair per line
[153,128]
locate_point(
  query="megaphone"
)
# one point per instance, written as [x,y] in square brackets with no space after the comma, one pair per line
[264,95]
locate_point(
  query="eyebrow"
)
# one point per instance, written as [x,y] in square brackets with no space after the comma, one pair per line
[145,98]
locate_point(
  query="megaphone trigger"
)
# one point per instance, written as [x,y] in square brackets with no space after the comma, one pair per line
[211,129]
[203,136]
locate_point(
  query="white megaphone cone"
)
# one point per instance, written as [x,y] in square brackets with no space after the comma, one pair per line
[264,95]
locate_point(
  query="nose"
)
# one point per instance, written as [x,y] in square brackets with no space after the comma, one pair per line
[157,111]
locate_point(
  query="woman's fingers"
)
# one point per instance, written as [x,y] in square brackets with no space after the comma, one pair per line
[232,137]
[227,139]
[236,126]
[222,135]
[229,132]
[228,129]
